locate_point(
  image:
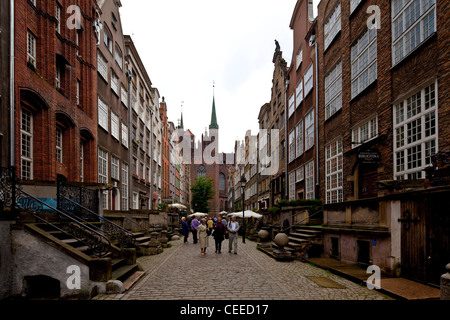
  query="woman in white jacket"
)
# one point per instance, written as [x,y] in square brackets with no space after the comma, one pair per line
[203,236]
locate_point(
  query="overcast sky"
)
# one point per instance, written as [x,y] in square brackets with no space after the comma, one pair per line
[186,45]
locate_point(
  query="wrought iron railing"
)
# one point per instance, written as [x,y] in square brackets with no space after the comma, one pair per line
[86,200]
[143,225]
[114,231]
[7,189]
[94,240]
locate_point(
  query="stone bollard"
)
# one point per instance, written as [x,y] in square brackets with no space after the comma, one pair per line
[445,284]
[164,239]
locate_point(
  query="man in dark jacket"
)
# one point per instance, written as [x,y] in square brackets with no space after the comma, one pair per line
[219,234]
[185,229]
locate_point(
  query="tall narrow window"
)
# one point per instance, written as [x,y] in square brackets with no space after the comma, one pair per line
[124,187]
[364,61]
[58,76]
[81,161]
[309,80]
[114,82]
[78,92]
[26,132]
[222,182]
[115,126]
[333,91]
[115,165]
[332,26]
[292,146]
[102,66]
[58,17]
[291,105]
[299,91]
[118,56]
[309,180]
[334,176]
[299,148]
[107,39]
[309,130]
[59,145]
[103,174]
[299,58]
[292,186]
[125,135]
[201,172]
[103,114]
[31,48]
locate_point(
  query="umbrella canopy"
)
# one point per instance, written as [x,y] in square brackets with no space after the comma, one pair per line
[198,214]
[224,212]
[248,214]
[178,206]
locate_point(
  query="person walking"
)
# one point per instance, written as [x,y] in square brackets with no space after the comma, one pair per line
[233,228]
[219,234]
[194,226]
[185,229]
[203,237]
[210,224]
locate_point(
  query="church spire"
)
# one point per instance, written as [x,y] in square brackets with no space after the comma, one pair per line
[181,121]
[214,124]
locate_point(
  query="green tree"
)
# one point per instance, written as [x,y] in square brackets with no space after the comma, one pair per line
[202,192]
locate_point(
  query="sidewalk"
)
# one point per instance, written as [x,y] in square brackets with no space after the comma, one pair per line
[398,288]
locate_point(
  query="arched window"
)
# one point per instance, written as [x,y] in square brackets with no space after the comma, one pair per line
[201,172]
[221,182]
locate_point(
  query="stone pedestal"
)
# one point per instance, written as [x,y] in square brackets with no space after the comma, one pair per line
[281,240]
[264,239]
[164,239]
[445,285]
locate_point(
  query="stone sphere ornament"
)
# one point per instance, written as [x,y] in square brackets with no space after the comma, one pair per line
[263,235]
[281,240]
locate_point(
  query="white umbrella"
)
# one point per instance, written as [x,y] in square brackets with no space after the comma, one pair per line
[198,214]
[178,206]
[248,214]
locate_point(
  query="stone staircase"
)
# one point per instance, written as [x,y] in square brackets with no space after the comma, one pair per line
[305,239]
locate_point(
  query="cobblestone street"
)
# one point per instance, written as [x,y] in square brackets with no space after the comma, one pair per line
[181,273]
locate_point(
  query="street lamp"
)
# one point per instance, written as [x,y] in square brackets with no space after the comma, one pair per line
[243,183]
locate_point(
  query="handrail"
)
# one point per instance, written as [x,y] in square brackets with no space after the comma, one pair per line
[309,216]
[98,243]
[125,237]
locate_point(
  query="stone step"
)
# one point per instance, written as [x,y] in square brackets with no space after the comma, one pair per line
[298,241]
[143,239]
[296,245]
[138,234]
[132,280]
[117,263]
[72,242]
[124,272]
[302,235]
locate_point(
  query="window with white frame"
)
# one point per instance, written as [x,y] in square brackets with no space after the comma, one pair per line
[413,21]
[299,91]
[58,76]
[292,146]
[333,91]
[102,66]
[102,166]
[78,92]
[299,142]
[82,145]
[416,136]
[364,61]
[115,126]
[58,17]
[309,180]
[103,114]
[354,4]
[365,131]
[31,48]
[135,201]
[59,145]
[107,38]
[118,56]
[26,138]
[291,105]
[334,172]
[115,165]
[299,58]
[332,26]
[309,80]
[125,135]
[124,96]
[292,186]
[124,187]
[300,174]
[309,130]
[114,82]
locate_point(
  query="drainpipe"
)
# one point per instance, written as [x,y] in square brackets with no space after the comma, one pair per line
[317,115]
[130,146]
[286,138]
[12,87]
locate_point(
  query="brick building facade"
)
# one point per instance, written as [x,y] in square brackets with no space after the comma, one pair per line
[113,109]
[5,48]
[55,91]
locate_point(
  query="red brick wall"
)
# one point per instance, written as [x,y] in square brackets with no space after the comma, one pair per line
[38,89]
